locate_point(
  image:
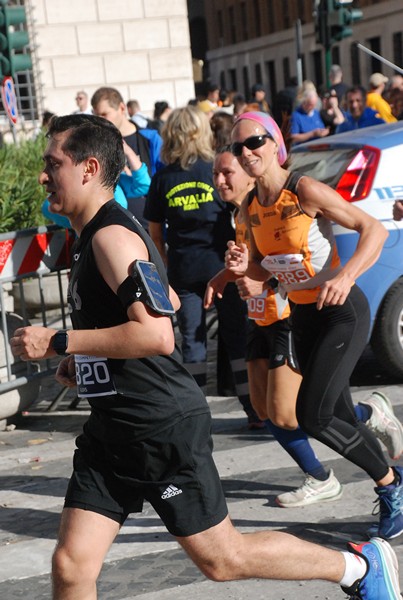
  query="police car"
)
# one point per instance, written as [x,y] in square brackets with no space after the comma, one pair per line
[365,166]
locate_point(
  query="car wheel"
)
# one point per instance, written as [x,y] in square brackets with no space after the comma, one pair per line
[387,336]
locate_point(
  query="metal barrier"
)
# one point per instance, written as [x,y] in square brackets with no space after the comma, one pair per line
[33,291]
[33,282]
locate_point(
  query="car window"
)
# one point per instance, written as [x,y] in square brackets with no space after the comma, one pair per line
[324,165]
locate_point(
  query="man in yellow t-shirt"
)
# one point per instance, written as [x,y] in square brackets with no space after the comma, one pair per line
[377,83]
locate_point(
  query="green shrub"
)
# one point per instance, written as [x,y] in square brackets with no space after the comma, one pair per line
[21,195]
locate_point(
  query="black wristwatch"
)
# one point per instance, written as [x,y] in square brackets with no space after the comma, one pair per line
[60,342]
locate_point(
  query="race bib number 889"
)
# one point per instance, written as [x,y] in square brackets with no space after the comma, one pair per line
[287,268]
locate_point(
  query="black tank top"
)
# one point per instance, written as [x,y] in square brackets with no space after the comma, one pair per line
[150,394]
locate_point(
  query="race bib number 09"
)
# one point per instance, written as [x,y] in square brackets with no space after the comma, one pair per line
[93,376]
[257,307]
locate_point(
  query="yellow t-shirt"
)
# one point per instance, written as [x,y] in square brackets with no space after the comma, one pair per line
[376,102]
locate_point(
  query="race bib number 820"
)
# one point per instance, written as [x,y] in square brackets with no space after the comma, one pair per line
[93,376]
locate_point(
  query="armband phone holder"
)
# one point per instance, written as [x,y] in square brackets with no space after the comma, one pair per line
[144,284]
[152,289]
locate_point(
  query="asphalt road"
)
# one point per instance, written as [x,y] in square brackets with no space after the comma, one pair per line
[145,563]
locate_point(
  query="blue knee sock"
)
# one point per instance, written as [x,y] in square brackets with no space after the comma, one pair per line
[363,412]
[295,443]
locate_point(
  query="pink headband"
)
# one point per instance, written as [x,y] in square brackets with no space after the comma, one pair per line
[271,127]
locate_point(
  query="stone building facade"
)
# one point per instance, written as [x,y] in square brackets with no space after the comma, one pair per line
[254,41]
[141,47]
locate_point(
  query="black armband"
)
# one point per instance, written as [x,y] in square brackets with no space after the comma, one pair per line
[144,284]
[129,292]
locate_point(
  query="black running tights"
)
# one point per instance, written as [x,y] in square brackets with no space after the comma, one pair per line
[328,345]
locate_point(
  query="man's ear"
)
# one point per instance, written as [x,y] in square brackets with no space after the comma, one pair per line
[91,168]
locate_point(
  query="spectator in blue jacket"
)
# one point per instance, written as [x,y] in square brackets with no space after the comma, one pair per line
[134,179]
[359,115]
[108,102]
[306,122]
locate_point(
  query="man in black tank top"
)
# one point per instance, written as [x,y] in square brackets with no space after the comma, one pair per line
[148,434]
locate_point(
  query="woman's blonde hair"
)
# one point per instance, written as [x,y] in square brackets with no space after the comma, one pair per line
[187,137]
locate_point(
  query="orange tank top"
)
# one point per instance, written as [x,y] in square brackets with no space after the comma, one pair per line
[268,307]
[299,250]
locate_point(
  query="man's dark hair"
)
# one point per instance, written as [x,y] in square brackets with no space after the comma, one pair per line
[92,136]
[212,87]
[223,149]
[357,88]
[159,108]
[257,87]
[240,98]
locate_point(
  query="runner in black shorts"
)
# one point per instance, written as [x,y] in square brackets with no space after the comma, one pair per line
[179,477]
[122,356]
[272,343]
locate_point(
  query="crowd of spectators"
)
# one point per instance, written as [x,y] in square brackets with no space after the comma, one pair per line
[303,112]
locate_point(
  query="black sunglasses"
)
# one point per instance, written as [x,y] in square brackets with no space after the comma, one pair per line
[252,143]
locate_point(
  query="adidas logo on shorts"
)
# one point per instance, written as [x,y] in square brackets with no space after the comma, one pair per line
[170,492]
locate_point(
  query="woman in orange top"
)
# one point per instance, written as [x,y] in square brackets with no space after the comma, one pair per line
[292,239]
[272,375]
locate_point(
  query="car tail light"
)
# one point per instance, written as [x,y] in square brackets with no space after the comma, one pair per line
[356,182]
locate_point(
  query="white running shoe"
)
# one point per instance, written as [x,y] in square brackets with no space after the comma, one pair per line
[385,425]
[312,491]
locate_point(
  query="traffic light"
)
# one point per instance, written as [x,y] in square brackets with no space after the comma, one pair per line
[340,18]
[320,20]
[333,20]
[13,39]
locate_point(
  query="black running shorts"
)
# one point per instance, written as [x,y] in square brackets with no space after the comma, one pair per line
[273,342]
[174,471]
